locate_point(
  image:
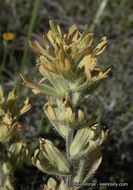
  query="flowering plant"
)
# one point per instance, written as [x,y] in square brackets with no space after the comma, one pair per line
[13,151]
[68,64]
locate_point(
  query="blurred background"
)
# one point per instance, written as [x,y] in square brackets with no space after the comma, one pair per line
[111,104]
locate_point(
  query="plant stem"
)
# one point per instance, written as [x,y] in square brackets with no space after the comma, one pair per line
[29,33]
[4,59]
[97,18]
[69,139]
[30,29]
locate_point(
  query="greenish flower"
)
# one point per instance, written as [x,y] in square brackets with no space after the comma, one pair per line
[49,159]
[9,113]
[64,118]
[52,185]
[68,64]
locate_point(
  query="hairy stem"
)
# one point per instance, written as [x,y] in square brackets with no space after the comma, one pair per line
[69,139]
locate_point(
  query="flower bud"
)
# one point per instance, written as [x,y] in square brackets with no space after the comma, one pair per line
[52,185]
[49,159]
[8,128]
[18,152]
[81,140]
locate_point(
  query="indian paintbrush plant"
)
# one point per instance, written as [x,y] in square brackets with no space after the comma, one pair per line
[68,65]
[13,151]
